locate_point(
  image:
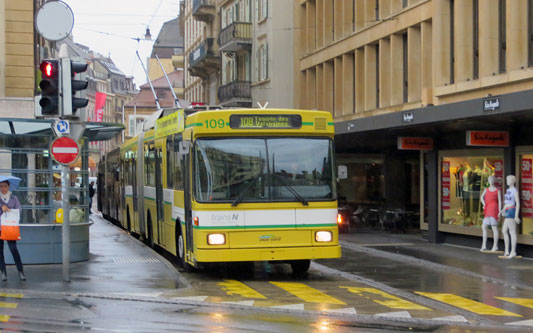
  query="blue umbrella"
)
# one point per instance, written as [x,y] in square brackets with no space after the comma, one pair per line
[13,181]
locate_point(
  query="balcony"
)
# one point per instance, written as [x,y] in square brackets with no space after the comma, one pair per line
[236,93]
[178,61]
[204,60]
[236,37]
[204,10]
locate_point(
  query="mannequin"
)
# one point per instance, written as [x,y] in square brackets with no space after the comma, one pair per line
[492,204]
[510,212]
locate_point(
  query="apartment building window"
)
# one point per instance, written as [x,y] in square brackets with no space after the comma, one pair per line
[530,32]
[262,61]
[452,44]
[261,9]
[404,3]
[502,36]
[405,68]
[475,39]
[376,9]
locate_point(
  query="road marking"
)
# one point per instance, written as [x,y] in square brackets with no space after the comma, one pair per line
[245,303]
[392,302]
[527,302]
[468,304]
[191,298]
[4,318]
[234,287]
[307,293]
[344,310]
[8,305]
[11,295]
[398,314]
[528,322]
[289,307]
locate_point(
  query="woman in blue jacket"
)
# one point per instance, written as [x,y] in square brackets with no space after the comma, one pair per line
[8,201]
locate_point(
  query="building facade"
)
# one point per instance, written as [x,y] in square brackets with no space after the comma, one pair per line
[430,97]
[230,46]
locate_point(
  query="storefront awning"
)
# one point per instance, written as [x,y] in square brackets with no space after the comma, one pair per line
[43,127]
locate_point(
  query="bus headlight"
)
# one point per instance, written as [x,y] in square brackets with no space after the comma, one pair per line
[323,236]
[216,239]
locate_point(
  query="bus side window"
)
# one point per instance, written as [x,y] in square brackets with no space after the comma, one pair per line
[177,165]
[170,162]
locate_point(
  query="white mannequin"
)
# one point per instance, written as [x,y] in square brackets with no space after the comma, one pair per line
[510,212]
[492,204]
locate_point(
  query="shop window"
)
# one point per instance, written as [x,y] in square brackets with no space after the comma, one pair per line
[463,179]
[365,183]
[526,193]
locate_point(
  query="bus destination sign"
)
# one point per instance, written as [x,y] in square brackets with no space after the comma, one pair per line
[265,121]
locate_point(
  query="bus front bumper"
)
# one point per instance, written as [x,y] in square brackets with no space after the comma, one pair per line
[268,254]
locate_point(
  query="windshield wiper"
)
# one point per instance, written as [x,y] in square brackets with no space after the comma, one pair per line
[292,190]
[241,196]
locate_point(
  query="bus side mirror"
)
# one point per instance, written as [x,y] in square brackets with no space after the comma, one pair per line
[184,147]
[342,172]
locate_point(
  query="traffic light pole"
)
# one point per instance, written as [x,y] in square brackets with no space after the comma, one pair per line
[65,232]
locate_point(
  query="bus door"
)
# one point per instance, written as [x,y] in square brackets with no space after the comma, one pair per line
[187,189]
[159,193]
[134,192]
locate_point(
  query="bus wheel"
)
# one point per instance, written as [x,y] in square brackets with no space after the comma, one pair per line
[128,219]
[150,232]
[180,250]
[300,267]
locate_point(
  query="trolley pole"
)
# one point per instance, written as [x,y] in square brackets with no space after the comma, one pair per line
[65,232]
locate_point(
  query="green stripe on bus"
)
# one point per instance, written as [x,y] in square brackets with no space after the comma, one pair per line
[331,124]
[291,226]
[148,198]
[307,123]
[194,124]
[167,202]
[149,138]
[129,196]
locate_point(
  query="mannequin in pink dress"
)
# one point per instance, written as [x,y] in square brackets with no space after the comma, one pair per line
[492,202]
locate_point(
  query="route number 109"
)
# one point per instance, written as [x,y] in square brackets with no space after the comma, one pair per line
[214,123]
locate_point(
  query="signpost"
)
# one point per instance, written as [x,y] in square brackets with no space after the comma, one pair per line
[64,150]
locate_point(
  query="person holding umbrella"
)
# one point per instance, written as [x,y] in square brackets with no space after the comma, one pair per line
[8,201]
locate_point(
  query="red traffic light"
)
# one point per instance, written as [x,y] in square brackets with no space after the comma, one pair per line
[49,68]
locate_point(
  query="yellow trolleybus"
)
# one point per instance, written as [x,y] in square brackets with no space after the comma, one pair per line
[238,185]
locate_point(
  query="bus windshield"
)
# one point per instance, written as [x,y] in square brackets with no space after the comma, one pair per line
[264,169]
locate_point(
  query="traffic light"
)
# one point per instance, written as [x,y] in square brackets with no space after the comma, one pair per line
[50,88]
[74,84]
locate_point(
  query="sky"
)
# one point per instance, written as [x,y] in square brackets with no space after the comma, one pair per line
[109,27]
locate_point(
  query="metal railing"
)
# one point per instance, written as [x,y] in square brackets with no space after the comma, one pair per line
[236,30]
[197,4]
[235,89]
[204,50]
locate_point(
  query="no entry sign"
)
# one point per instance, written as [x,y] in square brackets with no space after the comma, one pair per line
[64,150]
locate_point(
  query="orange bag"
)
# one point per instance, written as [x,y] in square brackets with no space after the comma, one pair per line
[9,221]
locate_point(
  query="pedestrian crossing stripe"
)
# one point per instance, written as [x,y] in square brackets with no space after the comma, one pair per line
[468,304]
[527,302]
[391,301]
[307,293]
[4,318]
[11,295]
[234,287]
[8,305]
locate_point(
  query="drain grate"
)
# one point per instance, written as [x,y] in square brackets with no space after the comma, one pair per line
[136,260]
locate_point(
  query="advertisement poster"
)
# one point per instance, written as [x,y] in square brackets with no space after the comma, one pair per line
[527,188]
[498,173]
[99,105]
[445,185]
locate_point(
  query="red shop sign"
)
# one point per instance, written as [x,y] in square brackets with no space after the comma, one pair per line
[415,143]
[487,138]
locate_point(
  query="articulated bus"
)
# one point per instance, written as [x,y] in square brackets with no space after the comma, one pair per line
[234,185]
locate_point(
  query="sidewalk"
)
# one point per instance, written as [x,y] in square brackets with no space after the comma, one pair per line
[413,249]
[118,264]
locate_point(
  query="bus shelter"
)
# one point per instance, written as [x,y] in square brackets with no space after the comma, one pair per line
[24,153]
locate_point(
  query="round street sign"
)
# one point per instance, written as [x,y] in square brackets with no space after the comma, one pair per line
[64,150]
[54,20]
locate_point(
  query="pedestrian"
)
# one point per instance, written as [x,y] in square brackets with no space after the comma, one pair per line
[91,195]
[9,202]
